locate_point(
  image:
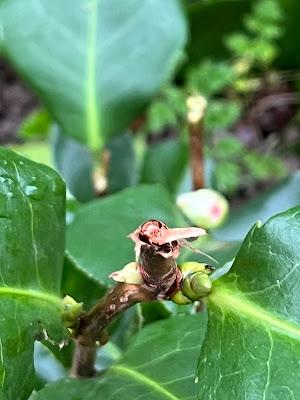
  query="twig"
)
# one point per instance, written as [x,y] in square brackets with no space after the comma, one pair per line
[196,109]
[91,328]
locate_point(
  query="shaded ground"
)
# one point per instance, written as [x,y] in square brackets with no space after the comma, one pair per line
[16,102]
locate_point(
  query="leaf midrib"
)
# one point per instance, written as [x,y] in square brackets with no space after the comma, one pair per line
[34,294]
[93,123]
[143,379]
[236,302]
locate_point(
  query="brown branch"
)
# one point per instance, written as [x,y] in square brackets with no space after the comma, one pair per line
[92,325]
[161,279]
[196,155]
[196,109]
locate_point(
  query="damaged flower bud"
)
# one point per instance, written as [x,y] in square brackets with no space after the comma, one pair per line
[157,248]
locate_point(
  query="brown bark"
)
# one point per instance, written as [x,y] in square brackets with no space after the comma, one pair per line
[196,154]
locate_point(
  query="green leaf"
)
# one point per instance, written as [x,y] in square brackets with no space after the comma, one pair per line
[122,164]
[74,161]
[222,251]
[96,239]
[160,115]
[32,215]
[210,77]
[78,285]
[282,196]
[36,151]
[221,114]
[253,338]
[228,147]
[36,125]
[165,163]
[227,176]
[264,166]
[92,64]
[159,365]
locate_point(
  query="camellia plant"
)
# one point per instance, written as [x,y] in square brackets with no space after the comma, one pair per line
[131,289]
[250,345]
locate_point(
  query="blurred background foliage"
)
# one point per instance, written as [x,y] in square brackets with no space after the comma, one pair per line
[104,101]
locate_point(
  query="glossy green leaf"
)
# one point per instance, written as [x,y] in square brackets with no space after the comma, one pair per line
[92,64]
[32,214]
[79,285]
[252,346]
[74,161]
[282,196]
[165,163]
[122,165]
[221,251]
[96,239]
[159,365]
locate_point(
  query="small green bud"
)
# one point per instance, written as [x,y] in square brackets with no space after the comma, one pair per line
[72,311]
[201,284]
[190,267]
[196,285]
[180,298]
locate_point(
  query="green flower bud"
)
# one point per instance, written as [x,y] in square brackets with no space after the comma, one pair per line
[190,267]
[196,285]
[204,207]
[180,298]
[72,311]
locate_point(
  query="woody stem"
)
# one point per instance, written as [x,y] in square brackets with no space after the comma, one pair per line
[161,280]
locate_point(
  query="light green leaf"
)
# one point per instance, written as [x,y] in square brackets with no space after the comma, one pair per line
[36,151]
[95,64]
[96,239]
[252,346]
[36,125]
[227,176]
[159,365]
[221,114]
[282,196]
[32,214]
[210,77]
[228,147]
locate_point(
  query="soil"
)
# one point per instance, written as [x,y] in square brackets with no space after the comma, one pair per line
[16,103]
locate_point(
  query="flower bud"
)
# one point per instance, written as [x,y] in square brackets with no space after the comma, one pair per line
[190,267]
[204,207]
[180,298]
[72,311]
[196,285]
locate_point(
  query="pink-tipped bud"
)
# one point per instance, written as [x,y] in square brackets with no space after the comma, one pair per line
[204,207]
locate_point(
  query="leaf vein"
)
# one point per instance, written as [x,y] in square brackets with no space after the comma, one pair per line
[143,379]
